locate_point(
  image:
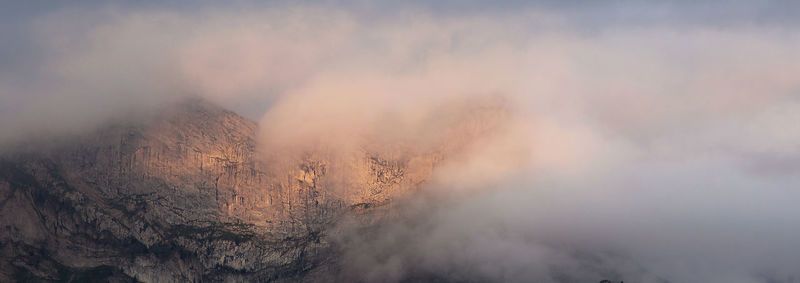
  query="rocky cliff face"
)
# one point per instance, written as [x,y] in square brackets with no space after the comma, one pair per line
[185,196]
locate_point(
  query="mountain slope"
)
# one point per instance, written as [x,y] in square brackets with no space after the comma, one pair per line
[185,195]
[154,201]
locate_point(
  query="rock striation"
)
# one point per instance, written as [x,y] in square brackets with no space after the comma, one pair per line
[184,196]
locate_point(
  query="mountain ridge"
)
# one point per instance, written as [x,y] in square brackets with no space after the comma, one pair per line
[186,195]
[179,196]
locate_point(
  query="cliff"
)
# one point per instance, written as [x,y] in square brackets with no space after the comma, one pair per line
[185,195]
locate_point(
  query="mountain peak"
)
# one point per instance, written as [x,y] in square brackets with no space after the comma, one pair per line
[192,109]
[195,103]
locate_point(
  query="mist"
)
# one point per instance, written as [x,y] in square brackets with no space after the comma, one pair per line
[655,149]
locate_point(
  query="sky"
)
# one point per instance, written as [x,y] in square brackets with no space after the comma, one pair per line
[646,142]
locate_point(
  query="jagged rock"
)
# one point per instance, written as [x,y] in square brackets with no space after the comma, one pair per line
[183,196]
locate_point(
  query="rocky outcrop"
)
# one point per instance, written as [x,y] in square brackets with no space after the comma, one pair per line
[184,196]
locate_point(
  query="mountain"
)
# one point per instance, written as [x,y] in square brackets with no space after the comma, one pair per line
[188,195]
[182,196]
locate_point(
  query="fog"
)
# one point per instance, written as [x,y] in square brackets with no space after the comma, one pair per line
[652,149]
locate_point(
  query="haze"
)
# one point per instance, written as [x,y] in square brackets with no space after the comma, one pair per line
[645,142]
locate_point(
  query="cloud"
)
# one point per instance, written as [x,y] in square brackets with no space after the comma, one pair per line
[644,153]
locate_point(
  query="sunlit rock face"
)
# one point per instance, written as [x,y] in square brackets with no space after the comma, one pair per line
[187,195]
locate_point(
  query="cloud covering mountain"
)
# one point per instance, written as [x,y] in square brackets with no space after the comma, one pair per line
[639,142]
